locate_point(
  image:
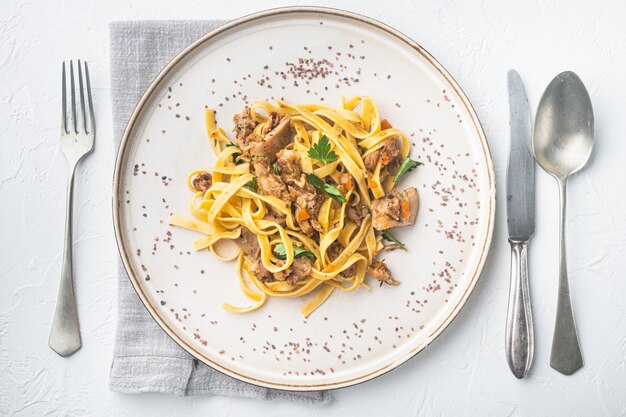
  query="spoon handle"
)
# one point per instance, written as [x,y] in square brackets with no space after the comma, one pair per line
[519,339]
[566,357]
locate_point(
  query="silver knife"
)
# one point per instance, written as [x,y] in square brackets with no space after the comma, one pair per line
[520,210]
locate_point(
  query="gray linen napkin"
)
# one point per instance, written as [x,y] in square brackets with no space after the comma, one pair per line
[145,359]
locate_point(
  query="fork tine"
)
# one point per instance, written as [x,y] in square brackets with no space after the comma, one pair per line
[63,101]
[73,96]
[92,120]
[82,97]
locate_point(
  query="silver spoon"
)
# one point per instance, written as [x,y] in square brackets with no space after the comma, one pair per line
[562,143]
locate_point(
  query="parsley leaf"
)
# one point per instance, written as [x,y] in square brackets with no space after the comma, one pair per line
[321,151]
[276,170]
[281,252]
[329,189]
[251,185]
[235,155]
[388,236]
[406,166]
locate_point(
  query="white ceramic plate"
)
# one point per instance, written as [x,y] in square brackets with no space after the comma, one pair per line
[354,336]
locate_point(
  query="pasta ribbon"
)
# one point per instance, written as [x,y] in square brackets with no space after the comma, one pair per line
[233,208]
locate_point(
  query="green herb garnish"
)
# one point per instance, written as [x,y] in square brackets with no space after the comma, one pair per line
[281,252]
[329,189]
[321,151]
[388,236]
[235,155]
[251,185]
[406,166]
[276,170]
[363,149]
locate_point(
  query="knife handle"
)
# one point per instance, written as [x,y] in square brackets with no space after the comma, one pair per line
[519,339]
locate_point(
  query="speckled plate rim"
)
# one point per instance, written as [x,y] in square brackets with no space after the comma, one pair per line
[132,125]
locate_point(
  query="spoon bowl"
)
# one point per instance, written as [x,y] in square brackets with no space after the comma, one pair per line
[563,137]
[562,143]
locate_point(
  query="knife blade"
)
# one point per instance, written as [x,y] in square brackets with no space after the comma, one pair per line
[520,208]
[520,177]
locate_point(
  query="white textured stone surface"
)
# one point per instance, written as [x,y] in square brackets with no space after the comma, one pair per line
[464,372]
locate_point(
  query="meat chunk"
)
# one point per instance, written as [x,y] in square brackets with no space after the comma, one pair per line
[357,212]
[346,183]
[275,134]
[306,198]
[389,156]
[288,165]
[247,143]
[202,182]
[333,252]
[272,121]
[308,201]
[395,209]
[371,160]
[299,270]
[248,242]
[275,139]
[385,208]
[381,272]
[259,271]
[268,182]
[244,124]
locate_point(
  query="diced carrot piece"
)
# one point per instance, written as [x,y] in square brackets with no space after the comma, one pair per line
[406,209]
[349,182]
[302,214]
[384,124]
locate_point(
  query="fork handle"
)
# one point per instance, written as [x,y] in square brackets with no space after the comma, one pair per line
[519,340]
[65,334]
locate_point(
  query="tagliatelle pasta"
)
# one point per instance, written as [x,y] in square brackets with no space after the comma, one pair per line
[295,191]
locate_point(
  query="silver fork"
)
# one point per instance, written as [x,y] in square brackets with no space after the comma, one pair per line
[78,131]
